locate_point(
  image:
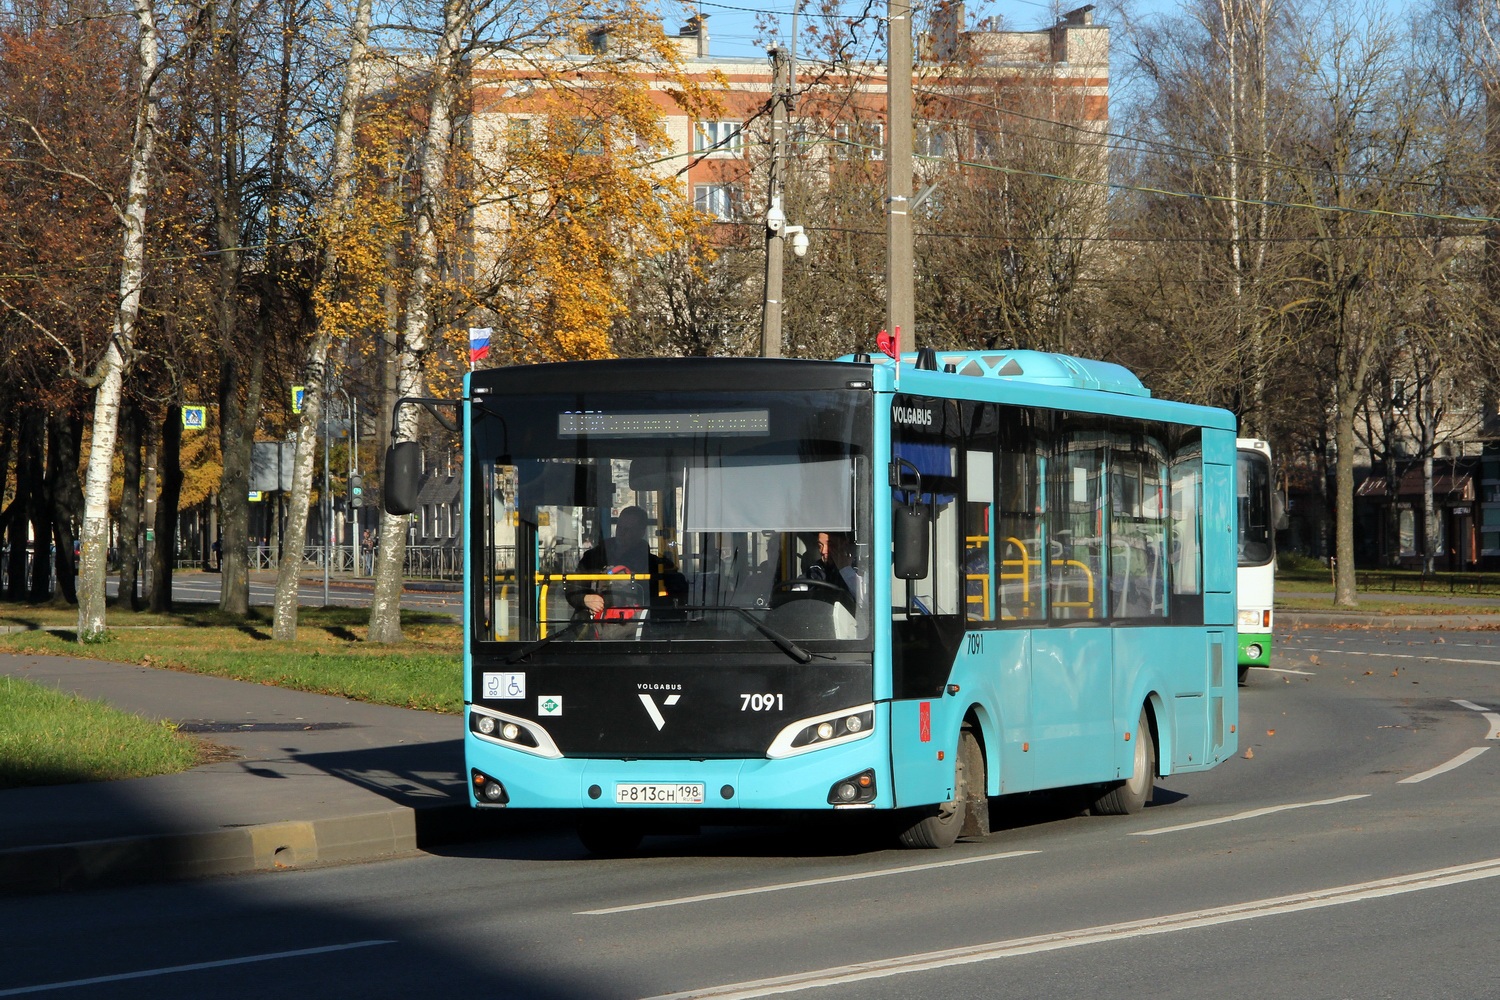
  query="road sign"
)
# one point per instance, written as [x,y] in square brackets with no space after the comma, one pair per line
[194,418]
[297,393]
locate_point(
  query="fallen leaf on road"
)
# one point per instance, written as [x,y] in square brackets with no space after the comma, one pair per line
[1270,732]
[1313,659]
[1369,673]
[1249,753]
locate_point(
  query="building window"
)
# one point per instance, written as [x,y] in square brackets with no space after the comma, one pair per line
[859,141]
[719,139]
[517,132]
[722,201]
[929,140]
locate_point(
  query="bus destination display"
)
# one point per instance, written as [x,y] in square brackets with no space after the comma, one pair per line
[717,423]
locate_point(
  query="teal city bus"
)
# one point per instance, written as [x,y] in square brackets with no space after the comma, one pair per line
[715,590]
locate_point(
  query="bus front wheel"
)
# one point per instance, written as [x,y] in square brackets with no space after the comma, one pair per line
[941,825]
[1132,794]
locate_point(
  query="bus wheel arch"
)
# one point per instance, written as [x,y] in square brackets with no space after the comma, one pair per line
[967,813]
[1121,798]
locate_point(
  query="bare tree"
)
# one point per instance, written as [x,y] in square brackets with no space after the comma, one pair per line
[448,70]
[112,367]
[336,211]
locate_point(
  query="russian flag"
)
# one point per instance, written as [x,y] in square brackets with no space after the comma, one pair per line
[479,343]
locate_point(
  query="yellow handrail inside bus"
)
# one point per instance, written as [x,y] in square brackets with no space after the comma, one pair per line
[1087,573]
[551,578]
[1025,563]
[979,542]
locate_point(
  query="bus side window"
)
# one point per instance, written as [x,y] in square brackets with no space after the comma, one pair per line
[1185,558]
[980,571]
[1020,552]
[1137,529]
[1076,527]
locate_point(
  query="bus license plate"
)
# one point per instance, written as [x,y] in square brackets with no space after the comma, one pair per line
[659,794]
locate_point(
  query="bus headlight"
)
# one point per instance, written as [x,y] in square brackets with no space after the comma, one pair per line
[1250,619]
[511,731]
[822,731]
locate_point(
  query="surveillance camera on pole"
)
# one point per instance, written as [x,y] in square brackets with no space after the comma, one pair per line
[799,239]
[775,218]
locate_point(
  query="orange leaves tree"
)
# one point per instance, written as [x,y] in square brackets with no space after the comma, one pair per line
[573,182]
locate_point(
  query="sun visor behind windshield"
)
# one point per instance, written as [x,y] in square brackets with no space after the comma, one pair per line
[770,495]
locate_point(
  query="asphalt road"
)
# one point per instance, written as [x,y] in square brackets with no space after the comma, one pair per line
[1351,849]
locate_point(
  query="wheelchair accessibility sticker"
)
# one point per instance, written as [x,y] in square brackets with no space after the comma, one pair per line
[504,685]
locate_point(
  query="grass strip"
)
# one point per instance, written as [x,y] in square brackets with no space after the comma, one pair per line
[50,737]
[330,655]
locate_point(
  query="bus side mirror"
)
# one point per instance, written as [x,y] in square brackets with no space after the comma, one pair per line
[1279,517]
[910,537]
[403,469]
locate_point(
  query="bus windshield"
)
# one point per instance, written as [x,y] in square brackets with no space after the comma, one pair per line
[1253,484]
[608,517]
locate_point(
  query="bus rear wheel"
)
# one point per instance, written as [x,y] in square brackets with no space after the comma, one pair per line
[609,837]
[1132,794]
[941,825]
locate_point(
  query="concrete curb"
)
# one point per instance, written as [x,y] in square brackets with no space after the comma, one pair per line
[1371,619]
[170,857]
[257,848]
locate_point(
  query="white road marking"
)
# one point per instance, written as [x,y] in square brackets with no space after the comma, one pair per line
[1190,920]
[1251,814]
[1458,761]
[1493,718]
[1398,656]
[1288,670]
[196,966]
[832,880]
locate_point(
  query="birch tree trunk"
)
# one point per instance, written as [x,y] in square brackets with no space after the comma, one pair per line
[112,367]
[385,606]
[289,572]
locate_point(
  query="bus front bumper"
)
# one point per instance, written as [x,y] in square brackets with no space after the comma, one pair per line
[801,783]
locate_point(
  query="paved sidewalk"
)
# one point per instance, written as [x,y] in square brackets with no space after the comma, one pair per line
[315,779]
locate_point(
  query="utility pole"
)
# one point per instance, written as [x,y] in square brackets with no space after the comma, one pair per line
[900,266]
[770,321]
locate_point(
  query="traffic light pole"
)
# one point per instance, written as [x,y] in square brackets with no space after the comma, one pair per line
[356,489]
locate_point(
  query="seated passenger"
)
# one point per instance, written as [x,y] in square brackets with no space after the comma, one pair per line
[628,555]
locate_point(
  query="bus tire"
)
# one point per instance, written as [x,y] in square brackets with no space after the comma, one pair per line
[1132,794]
[609,836]
[1244,673]
[939,826]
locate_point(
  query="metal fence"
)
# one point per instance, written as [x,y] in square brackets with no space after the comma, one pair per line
[422,562]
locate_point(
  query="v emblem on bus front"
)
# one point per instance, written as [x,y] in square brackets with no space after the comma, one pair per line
[655,712]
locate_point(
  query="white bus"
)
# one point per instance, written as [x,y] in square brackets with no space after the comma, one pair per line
[1261,512]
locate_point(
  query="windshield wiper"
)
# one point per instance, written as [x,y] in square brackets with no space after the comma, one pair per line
[784,644]
[527,650]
